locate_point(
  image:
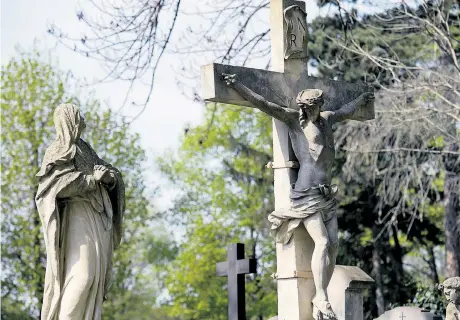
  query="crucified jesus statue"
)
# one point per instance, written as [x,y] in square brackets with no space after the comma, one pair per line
[313,202]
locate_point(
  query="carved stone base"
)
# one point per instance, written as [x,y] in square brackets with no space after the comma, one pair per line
[296,288]
[295,280]
[346,291]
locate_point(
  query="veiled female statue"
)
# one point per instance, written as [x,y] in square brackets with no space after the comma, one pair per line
[80,200]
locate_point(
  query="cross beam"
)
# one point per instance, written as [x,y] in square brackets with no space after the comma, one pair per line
[234,269]
[280,88]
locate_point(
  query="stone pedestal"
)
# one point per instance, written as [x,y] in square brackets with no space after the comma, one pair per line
[346,291]
[295,280]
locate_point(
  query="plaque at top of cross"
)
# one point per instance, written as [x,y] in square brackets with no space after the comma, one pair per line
[304,109]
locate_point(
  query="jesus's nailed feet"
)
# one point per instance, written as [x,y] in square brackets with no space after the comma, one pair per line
[322,310]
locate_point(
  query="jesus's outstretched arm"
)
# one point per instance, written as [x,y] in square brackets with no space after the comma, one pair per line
[347,111]
[272,109]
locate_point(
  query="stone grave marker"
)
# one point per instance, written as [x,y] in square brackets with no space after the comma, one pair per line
[234,269]
[408,313]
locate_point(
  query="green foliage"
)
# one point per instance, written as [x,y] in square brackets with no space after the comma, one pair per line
[30,91]
[226,196]
[29,88]
[430,298]
[332,34]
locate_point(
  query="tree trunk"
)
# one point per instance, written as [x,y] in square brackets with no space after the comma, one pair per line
[452,221]
[432,265]
[397,256]
[376,271]
[398,276]
[452,212]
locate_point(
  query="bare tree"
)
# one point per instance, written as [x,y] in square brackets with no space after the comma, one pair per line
[128,37]
[414,141]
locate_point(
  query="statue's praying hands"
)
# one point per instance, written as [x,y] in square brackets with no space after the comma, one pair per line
[103,174]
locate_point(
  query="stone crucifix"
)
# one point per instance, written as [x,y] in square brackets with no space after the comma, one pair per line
[304,109]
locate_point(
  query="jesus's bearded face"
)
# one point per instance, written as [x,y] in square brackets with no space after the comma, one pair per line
[310,102]
[312,109]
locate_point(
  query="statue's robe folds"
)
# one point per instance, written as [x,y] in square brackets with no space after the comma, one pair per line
[82,226]
[304,203]
[453,311]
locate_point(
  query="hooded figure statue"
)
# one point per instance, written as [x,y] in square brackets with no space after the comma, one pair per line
[80,200]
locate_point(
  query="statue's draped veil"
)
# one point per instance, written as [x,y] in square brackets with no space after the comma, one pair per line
[67,121]
[58,173]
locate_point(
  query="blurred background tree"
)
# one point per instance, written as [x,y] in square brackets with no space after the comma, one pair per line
[220,167]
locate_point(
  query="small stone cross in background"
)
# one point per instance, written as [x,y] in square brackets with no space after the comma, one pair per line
[234,269]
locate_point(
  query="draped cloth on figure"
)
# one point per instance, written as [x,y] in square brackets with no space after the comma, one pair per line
[304,203]
[81,220]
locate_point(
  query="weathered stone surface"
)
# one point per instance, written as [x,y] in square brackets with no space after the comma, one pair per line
[80,200]
[296,287]
[300,133]
[312,202]
[280,88]
[349,285]
[408,313]
[296,37]
[451,290]
[346,290]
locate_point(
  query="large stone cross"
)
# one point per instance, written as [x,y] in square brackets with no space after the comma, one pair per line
[234,269]
[289,75]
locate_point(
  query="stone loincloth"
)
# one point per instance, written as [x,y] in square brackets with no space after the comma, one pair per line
[304,203]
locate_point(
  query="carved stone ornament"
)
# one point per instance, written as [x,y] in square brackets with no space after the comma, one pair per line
[296,37]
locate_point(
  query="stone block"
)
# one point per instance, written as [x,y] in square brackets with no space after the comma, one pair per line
[408,313]
[346,291]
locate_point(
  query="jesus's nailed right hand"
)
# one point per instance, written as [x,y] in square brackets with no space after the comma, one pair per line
[368,97]
[229,79]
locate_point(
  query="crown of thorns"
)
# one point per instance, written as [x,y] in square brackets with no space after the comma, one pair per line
[309,96]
